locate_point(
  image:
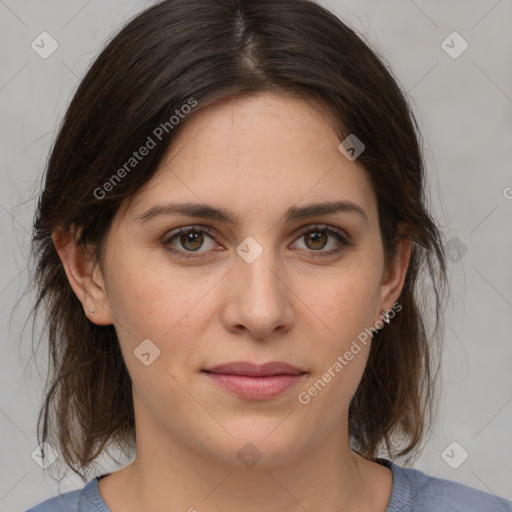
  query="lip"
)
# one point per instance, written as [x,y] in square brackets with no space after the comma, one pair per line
[255,382]
[248,369]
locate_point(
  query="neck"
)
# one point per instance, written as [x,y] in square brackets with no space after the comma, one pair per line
[174,470]
[328,477]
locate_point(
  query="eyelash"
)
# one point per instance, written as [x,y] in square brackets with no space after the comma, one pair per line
[343,239]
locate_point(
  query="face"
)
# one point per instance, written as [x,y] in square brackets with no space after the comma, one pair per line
[255,272]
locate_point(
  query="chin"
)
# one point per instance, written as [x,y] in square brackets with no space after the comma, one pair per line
[261,443]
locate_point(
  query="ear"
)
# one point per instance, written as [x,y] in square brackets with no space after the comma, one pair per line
[393,276]
[84,276]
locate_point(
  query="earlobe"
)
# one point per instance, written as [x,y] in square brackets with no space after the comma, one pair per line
[84,276]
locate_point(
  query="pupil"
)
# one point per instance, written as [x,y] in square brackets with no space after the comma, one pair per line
[317,237]
[192,238]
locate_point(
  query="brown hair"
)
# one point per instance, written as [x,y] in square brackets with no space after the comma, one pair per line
[182,49]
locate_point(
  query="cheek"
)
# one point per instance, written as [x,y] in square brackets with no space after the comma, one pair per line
[344,305]
[149,295]
[343,301]
[154,301]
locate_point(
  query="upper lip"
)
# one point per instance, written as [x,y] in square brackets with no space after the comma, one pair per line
[254,370]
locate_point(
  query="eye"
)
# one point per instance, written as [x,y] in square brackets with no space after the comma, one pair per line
[189,240]
[319,237]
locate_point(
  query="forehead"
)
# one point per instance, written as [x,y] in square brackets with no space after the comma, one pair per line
[255,155]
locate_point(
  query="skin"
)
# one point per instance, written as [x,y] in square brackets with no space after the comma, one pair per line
[256,156]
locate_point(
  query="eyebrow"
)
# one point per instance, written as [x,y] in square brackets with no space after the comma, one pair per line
[210,212]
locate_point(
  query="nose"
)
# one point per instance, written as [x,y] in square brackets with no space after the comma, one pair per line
[258,297]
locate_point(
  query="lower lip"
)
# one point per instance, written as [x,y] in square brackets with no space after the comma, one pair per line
[256,388]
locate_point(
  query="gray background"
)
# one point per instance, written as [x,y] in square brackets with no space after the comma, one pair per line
[464,107]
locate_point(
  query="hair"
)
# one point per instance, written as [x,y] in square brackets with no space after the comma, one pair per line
[178,52]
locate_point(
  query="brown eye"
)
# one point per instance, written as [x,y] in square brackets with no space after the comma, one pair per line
[192,241]
[315,240]
[322,241]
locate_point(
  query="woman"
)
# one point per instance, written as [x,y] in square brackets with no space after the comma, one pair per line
[230,244]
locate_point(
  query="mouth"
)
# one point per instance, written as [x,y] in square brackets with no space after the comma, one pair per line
[255,382]
[247,369]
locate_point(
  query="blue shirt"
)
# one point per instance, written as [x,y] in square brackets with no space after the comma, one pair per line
[412,491]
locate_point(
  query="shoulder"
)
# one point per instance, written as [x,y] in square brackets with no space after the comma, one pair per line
[87,499]
[419,492]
